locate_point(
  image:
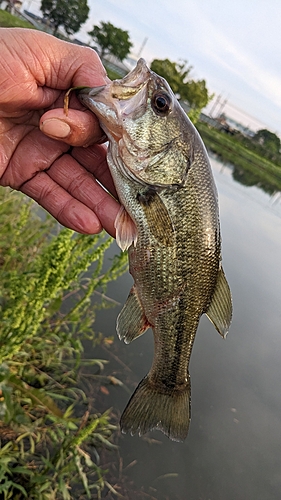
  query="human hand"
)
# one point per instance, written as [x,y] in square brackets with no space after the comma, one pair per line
[52,167]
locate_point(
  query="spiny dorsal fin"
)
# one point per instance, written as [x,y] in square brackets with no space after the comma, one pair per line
[220,310]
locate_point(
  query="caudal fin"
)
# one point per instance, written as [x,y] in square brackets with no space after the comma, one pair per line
[152,407]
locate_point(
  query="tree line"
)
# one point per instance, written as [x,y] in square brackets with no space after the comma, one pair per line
[71,14]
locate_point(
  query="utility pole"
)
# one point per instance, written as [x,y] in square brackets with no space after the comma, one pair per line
[142,47]
[216,103]
[221,108]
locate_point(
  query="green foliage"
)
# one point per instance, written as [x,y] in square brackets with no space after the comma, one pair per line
[113,75]
[50,433]
[111,40]
[186,89]
[70,14]
[7,20]
[250,167]
[176,74]
[268,140]
[196,93]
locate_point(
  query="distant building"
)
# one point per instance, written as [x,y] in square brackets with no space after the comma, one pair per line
[232,126]
[10,5]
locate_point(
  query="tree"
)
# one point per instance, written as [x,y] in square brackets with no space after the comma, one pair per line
[268,140]
[197,95]
[70,14]
[175,73]
[111,40]
[186,89]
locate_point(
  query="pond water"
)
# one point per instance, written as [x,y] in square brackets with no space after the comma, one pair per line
[233,450]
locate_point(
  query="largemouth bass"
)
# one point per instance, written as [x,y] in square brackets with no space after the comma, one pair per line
[170,225]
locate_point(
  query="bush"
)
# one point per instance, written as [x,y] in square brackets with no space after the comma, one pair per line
[50,440]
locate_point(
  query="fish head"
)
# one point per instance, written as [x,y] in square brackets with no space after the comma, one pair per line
[141,115]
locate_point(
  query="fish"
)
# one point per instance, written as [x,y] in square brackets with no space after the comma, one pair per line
[169,223]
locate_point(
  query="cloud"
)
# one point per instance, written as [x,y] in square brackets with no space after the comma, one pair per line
[233,46]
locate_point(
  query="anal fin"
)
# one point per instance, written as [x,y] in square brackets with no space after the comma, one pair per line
[219,311]
[131,322]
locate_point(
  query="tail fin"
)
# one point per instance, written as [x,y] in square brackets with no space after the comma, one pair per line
[152,407]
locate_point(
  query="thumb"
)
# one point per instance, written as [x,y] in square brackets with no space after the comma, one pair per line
[78,128]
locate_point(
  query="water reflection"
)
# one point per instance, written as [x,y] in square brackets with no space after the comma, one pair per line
[233,447]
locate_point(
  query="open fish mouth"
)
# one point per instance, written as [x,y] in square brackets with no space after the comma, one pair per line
[119,99]
[132,83]
[122,89]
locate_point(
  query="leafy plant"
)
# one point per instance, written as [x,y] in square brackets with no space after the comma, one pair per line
[50,433]
[111,40]
[70,14]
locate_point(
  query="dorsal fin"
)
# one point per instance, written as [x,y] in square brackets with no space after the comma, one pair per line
[219,311]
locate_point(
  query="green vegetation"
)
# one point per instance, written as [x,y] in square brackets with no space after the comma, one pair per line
[51,435]
[186,89]
[70,14]
[111,40]
[250,167]
[7,20]
[113,75]
[268,144]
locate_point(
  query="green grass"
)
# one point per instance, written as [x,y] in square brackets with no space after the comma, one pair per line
[249,167]
[7,20]
[51,433]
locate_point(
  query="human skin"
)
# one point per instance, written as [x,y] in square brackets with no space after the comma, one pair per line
[53,158]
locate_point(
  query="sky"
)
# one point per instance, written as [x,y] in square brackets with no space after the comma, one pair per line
[234,45]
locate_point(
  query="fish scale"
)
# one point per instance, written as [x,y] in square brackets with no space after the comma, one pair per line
[171,228]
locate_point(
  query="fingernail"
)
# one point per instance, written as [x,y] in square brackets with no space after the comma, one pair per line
[55,128]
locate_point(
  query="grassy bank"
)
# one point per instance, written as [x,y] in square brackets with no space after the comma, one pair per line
[249,167]
[51,433]
[7,20]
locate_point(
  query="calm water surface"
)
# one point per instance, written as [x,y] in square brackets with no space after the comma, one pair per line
[233,450]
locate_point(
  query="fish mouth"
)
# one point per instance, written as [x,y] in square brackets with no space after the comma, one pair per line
[132,83]
[118,98]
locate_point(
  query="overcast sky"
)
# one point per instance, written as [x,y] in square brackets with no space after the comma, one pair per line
[234,45]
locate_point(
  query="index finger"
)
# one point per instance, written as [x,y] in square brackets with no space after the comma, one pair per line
[94,160]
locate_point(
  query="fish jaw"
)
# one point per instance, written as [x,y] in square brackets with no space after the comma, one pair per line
[120,97]
[100,101]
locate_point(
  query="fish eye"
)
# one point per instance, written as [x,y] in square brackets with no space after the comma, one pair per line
[161,103]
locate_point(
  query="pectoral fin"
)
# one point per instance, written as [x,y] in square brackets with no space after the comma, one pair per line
[157,216]
[131,322]
[126,231]
[220,310]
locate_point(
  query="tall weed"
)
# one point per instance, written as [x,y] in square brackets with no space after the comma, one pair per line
[50,435]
